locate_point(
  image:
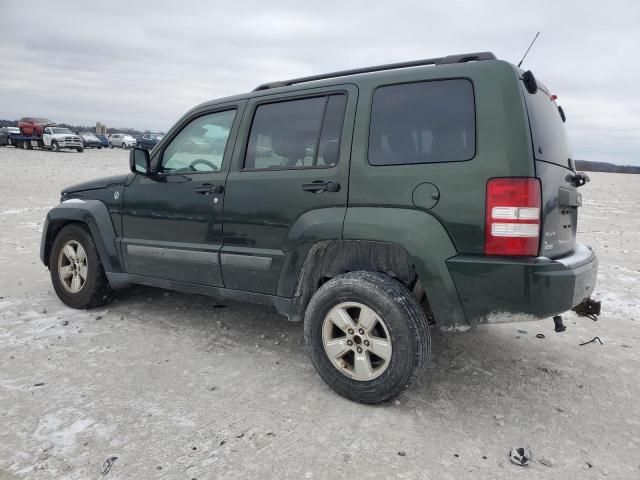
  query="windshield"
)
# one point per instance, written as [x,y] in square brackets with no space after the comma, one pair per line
[60,130]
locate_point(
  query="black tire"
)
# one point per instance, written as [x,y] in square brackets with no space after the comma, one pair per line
[55,147]
[110,145]
[80,149]
[96,290]
[404,319]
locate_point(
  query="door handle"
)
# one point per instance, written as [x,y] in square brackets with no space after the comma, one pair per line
[207,188]
[319,186]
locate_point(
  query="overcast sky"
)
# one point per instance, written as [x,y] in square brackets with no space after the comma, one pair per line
[143,64]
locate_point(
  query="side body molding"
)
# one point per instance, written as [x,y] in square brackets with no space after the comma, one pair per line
[429,246]
[95,215]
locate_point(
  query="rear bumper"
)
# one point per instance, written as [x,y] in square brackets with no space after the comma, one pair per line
[493,289]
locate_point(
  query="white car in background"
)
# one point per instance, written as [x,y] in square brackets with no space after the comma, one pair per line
[121,140]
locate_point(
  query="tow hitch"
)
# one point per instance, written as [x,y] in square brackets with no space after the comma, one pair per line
[589,308]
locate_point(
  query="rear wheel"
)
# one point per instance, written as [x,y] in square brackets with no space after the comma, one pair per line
[55,147]
[367,336]
[76,271]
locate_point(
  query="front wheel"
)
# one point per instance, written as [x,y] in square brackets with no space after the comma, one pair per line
[55,147]
[76,271]
[367,336]
[80,149]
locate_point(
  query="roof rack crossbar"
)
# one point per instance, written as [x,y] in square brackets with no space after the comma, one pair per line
[448,60]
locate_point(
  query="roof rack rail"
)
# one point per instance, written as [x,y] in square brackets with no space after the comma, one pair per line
[449,59]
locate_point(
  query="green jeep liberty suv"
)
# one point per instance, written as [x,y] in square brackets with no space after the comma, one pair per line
[368,203]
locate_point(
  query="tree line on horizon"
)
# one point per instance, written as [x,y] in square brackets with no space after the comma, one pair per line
[584,165]
[589,166]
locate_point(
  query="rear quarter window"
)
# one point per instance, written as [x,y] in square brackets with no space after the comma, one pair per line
[423,122]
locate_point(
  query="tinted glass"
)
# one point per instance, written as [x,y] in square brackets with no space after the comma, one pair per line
[547,129]
[329,145]
[422,122]
[200,146]
[296,133]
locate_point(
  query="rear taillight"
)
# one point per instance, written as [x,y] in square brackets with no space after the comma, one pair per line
[512,223]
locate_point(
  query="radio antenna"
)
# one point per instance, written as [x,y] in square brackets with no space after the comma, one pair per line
[530,45]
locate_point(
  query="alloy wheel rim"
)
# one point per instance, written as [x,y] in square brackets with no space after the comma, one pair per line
[72,266]
[356,341]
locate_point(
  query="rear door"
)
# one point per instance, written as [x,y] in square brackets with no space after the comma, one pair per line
[554,168]
[292,157]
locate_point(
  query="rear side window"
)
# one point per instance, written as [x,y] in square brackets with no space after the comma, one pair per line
[547,129]
[423,122]
[302,133]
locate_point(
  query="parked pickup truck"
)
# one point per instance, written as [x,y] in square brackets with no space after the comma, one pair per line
[42,133]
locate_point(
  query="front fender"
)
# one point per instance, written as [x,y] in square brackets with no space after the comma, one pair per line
[428,245]
[95,215]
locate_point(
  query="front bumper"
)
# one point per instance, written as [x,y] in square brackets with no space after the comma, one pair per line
[490,287]
[70,144]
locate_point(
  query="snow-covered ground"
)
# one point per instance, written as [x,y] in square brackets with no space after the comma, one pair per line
[177,386]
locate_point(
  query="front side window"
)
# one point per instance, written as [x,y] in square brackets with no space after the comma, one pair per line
[302,133]
[424,122]
[200,146]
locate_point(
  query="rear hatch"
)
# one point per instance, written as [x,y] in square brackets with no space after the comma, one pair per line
[555,169]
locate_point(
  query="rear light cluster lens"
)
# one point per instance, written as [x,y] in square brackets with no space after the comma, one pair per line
[512,218]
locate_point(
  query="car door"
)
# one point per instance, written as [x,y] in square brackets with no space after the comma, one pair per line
[172,219]
[46,136]
[288,164]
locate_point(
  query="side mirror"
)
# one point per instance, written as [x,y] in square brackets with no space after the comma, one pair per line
[139,161]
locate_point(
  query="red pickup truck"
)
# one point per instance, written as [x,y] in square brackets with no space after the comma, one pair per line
[33,126]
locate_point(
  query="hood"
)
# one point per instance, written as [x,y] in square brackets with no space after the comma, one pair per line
[61,135]
[95,184]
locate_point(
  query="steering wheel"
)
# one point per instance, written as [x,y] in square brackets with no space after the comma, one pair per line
[199,161]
